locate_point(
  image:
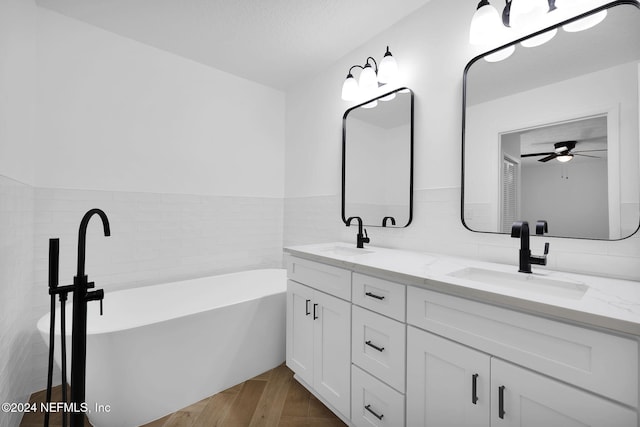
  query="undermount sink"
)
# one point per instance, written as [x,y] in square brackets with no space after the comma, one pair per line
[526,282]
[345,251]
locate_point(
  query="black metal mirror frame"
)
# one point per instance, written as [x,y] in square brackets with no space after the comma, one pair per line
[344,152]
[513,43]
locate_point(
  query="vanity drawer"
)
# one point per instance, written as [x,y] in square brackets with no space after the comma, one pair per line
[602,363]
[374,403]
[378,345]
[326,278]
[379,295]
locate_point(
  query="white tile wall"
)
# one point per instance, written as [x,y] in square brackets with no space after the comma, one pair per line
[163,237]
[155,238]
[436,227]
[16,276]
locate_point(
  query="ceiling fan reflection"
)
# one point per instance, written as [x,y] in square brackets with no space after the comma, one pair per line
[563,152]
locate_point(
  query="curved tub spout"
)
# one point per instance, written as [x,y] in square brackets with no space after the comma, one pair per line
[82,235]
[79,333]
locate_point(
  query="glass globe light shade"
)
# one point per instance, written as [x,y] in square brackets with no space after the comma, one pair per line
[350,88]
[527,14]
[368,79]
[564,158]
[485,25]
[388,68]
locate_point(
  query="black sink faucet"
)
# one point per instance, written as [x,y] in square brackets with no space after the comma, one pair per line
[520,229]
[362,238]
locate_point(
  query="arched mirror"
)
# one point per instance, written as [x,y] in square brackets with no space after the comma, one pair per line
[377,160]
[552,132]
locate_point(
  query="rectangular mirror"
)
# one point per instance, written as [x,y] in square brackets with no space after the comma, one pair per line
[552,132]
[377,160]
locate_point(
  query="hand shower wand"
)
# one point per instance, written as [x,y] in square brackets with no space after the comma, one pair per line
[61,291]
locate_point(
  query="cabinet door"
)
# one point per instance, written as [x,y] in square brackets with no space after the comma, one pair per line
[448,384]
[529,399]
[332,343]
[300,330]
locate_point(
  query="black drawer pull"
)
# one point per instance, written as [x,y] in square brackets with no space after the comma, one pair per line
[501,402]
[368,408]
[314,311]
[307,312]
[474,389]
[369,294]
[380,349]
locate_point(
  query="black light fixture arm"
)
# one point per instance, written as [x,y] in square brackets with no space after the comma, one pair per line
[506,12]
[374,63]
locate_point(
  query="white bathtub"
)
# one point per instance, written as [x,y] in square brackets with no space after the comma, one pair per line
[160,348]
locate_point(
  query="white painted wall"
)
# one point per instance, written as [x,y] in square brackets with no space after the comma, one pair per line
[432,49]
[17,97]
[187,162]
[115,114]
[17,88]
[569,196]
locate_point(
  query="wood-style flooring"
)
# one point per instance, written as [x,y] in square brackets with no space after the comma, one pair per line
[36,419]
[273,398]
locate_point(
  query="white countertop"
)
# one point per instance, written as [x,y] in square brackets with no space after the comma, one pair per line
[612,304]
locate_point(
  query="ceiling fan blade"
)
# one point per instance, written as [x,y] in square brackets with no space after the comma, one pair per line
[588,151]
[549,157]
[586,155]
[536,154]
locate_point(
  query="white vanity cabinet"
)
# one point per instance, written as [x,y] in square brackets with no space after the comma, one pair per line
[378,352]
[567,375]
[319,330]
[448,384]
[381,353]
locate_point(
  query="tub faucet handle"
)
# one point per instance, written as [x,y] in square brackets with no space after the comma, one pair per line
[96,296]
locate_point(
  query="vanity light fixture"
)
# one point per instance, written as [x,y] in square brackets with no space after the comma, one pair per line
[371,77]
[524,16]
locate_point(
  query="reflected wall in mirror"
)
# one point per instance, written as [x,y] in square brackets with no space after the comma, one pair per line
[573,99]
[377,160]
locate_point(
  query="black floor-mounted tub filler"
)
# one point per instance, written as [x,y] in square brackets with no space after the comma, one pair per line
[81,295]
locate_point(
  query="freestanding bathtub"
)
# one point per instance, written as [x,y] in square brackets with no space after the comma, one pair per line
[160,348]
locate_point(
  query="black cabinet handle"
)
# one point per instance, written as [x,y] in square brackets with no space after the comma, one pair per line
[314,311]
[307,312]
[369,294]
[368,408]
[501,402]
[474,389]
[380,349]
